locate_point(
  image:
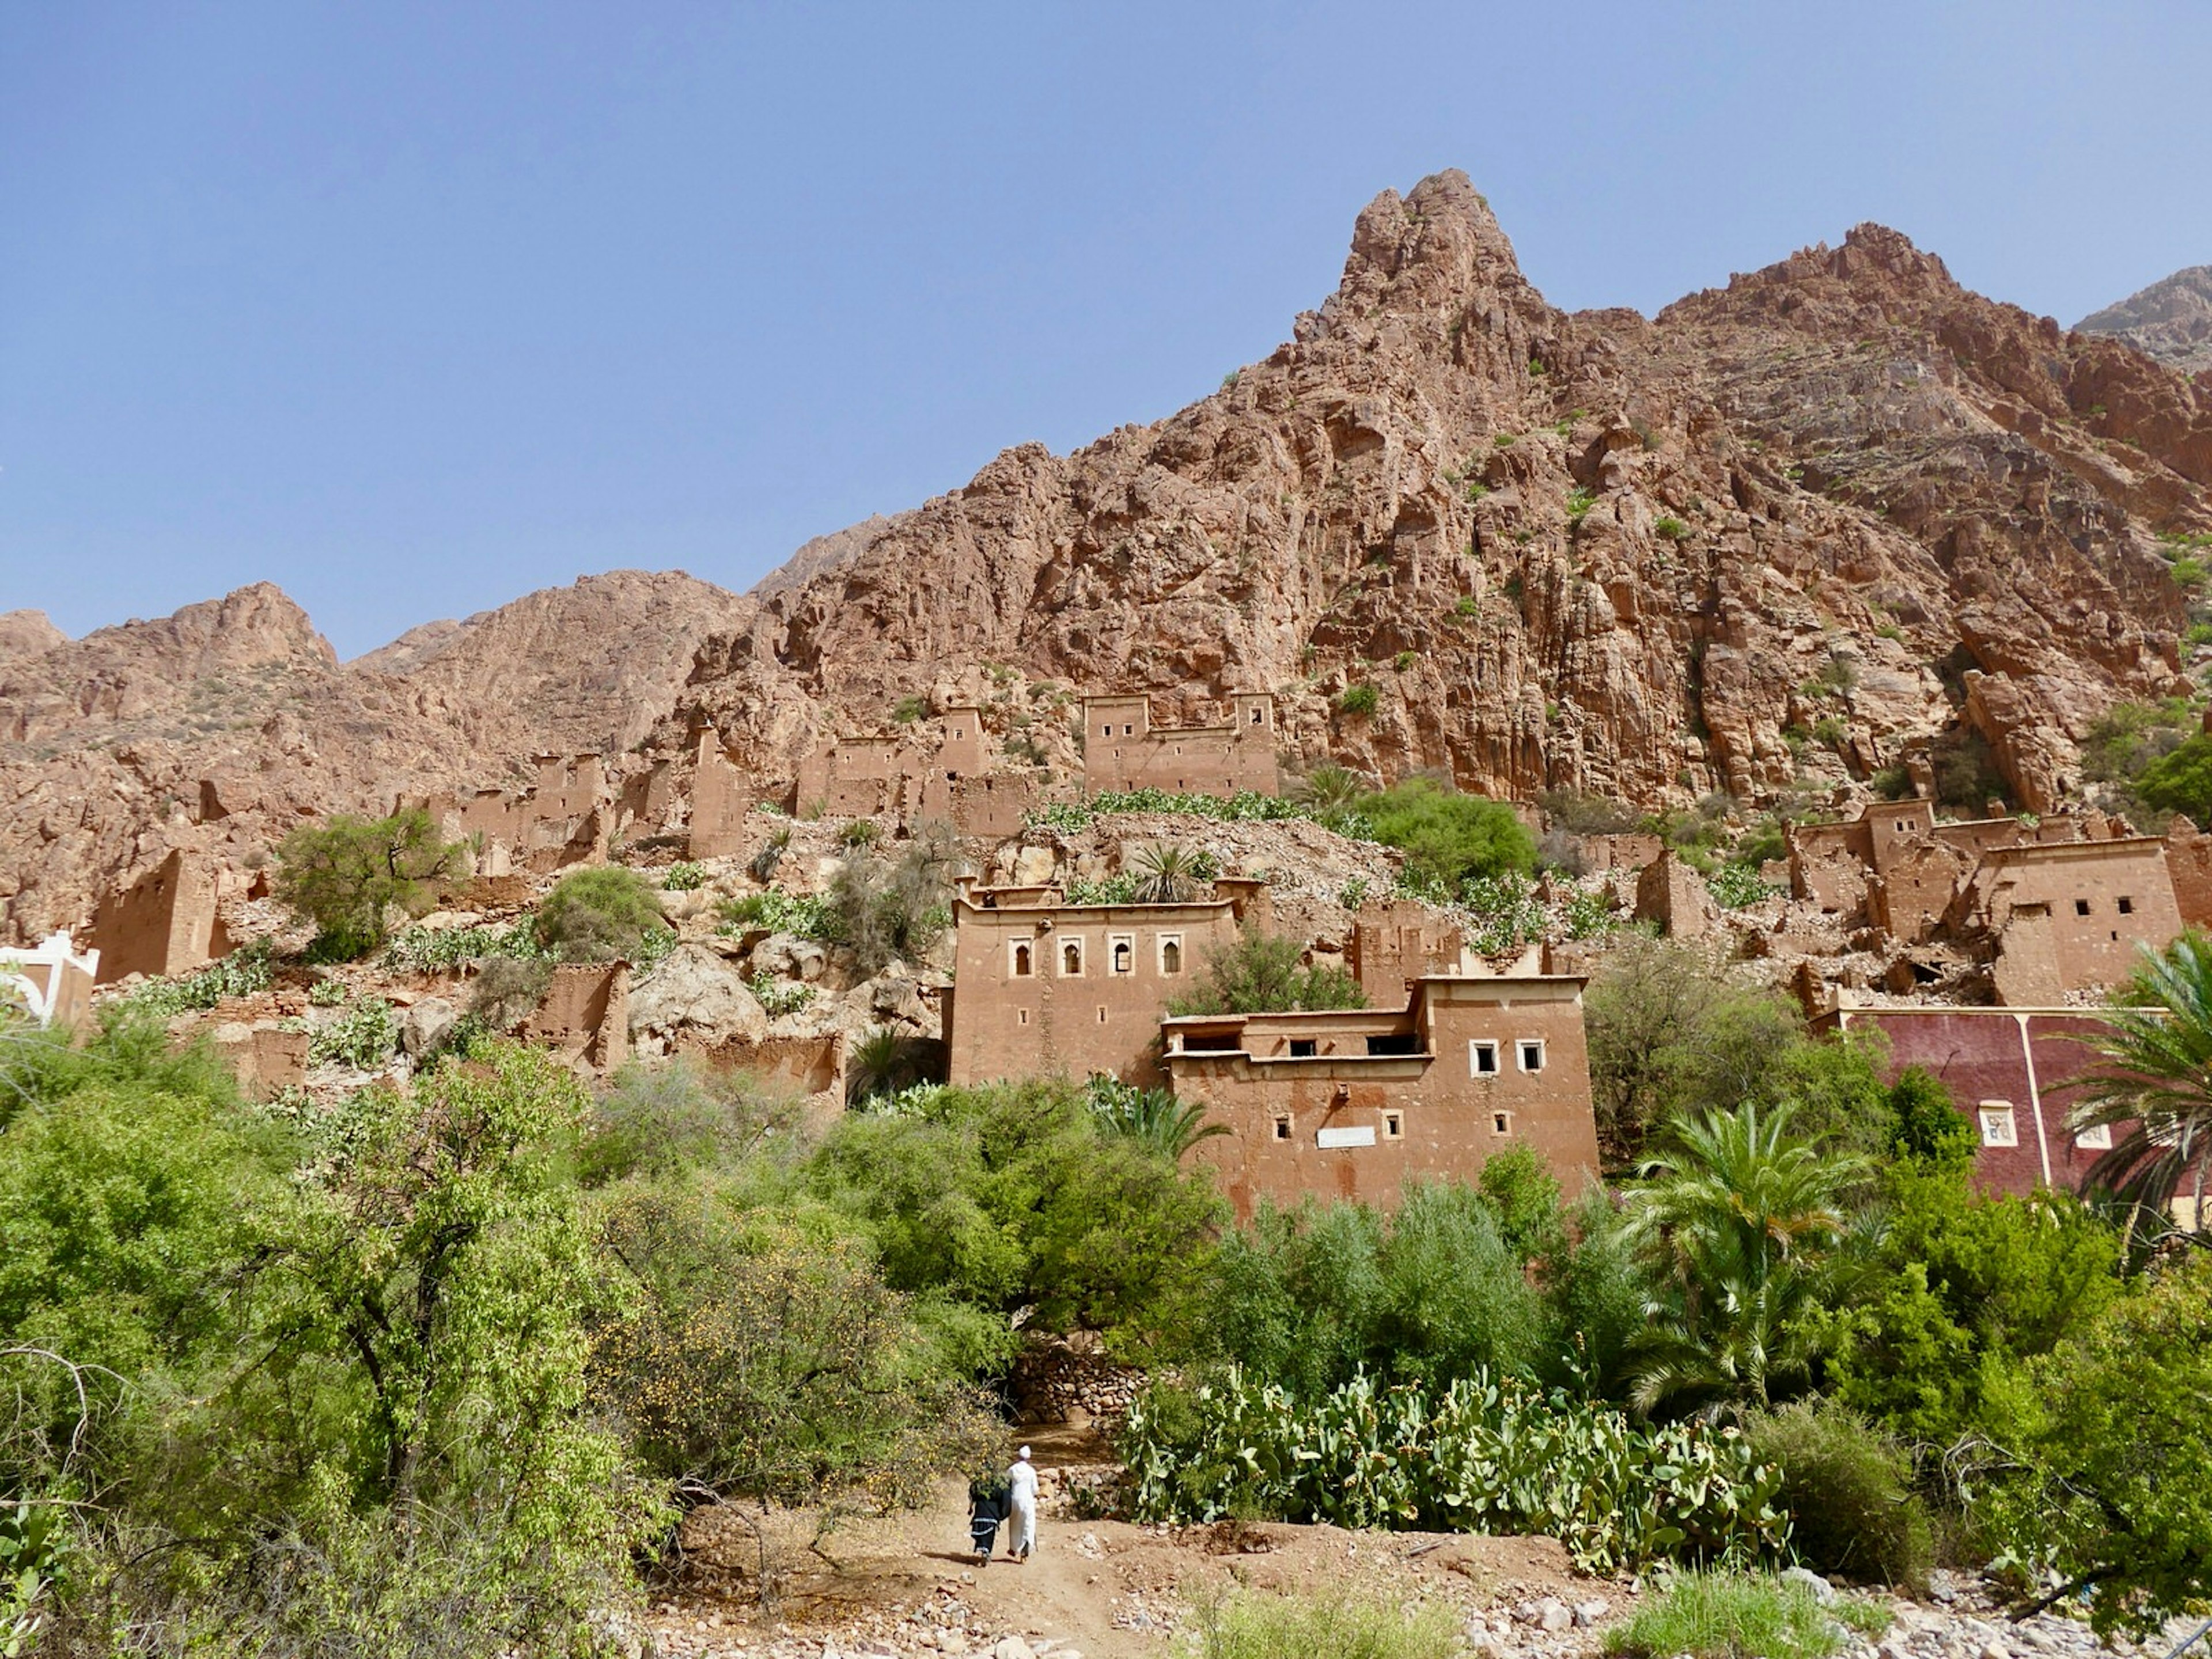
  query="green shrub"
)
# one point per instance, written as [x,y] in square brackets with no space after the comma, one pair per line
[1261,973]
[1476,1456]
[779,997]
[1507,913]
[1849,1493]
[1734,886]
[888,908]
[2182,782]
[1579,503]
[686,877]
[909,709]
[1727,1616]
[1671,530]
[860,832]
[344,877]
[1357,700]
[604,915]
[241,974]
[1448,837]
[420,950]
[363,1038]
[1323,1625]
[802,915]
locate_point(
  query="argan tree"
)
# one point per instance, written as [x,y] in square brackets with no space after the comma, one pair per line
[346,876]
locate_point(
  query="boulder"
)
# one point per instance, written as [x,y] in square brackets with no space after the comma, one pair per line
[695,990]
[787,956]
[425,1025]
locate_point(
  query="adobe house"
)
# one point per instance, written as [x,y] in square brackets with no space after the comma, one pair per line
[904,777]
[165,922]
[2070,916]
[1397,942]
[2011,1072]
[51,981]
[722,794]
[563,819]
[1122,750]
[1354,1104]
[1042,986]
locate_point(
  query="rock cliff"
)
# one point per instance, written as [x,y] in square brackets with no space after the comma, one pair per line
[1838,518]
[2170,320]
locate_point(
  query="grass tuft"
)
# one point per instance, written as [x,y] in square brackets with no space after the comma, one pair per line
[1727,1616]
[1250,1625]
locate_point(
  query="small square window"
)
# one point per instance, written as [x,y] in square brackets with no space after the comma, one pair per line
[1531,1054]
[2127,905]
[1107,729]
[1282,1126]
[2097,1138]
[1128,731]
[1501,1123]
[1393,1126]
[1998,1128]
[1304,1047]
[1482,1058]
[2080,907]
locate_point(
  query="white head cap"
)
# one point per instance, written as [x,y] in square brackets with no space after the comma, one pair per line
[1025,1452]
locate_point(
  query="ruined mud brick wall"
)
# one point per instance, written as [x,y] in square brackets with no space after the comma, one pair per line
[1060,1379]
[584,1016]
[1393,944]
[803,1065]
[903,778]
[2071,916]
[1042,988]
[1674,895]
[165,922]
[722,795]
[2189,868]
[1353,1105]
[1599,854]
[1122,750]
[266,1059]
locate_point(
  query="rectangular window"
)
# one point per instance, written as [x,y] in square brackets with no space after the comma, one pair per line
[1128,731]
[1392,1043]
[1302,1048]
[2097,1138]
[1501,1122]
[1107,729]
[1393,1126]
[1071,958]
[1532,1053]
[1282,1126]
[1998,1126]
[2080,907]
[1482,1058]
[2127,905]
[1021,1017]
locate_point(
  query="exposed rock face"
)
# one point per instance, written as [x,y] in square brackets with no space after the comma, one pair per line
[220,727]
[26,634]
[1585,551]
[2170,320]
[1839,516]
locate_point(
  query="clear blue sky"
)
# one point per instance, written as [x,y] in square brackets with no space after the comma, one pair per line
[412,307]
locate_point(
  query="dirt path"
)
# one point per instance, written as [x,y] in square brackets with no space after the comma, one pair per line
[1093,1589]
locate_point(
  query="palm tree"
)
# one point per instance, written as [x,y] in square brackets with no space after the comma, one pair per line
[1740,1223]
[1151,1117]
[1331,792]
[2156,1089]
[1166,873]
[881,1063]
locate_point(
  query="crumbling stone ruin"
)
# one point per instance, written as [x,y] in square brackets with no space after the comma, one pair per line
[1122,750]
[167,922]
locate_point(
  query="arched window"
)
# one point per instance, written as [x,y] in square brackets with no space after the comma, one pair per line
[1071,957]
[1021,962]
[1125,956]
[1171,955]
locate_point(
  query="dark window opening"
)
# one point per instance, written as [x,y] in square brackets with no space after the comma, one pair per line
[1393,1127]
[1021,962]
[1304,1049]
[1209,1045]
[1486,1060]
[1282,1128]
[1124,956]
[1532,1056]
[2127,905]
[1394,1043]
[2080,907]
[1499,1121]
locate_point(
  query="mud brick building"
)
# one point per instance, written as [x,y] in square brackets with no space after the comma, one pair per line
[167,922]
[51,981]
[1043,987]
[1353,1105]
[1122,749]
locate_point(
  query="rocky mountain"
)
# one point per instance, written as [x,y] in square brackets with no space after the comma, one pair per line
[223,725]
[1840,517]
[2170,320]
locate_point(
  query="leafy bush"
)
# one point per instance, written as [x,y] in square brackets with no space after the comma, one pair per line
[779,997]
[363,1038]
[1477,1456]
[1120,888]
[1579,503]
[422,950]
[241,974]
[686,877]
[1735,885]
[673,1119]
[1727,1615]
[803,915]
[2181,781]
[1323,1625]
[1589,914]
[909,709]
[858,832]
[344,877]
[604,915]
[886,909]
[1446,836]
[1506,910]
[1670,530]
[1358,700]
[1263,973]
[1849,1493]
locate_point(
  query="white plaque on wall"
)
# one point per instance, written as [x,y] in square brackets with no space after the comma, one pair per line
[1362,1136]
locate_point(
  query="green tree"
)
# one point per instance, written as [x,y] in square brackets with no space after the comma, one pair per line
[2155,1086]
[1166,873]
[2108,1433]
[603,914]
[345,876]
[1330,793]
[1449,837]
[884,908]
[2181,781]
[1153,1118]
[1261,973]
[1737,1224]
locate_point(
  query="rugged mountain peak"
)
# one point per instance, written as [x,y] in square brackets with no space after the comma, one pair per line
[26,634]
[1436,256]
[1877,278]
[2170,320]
